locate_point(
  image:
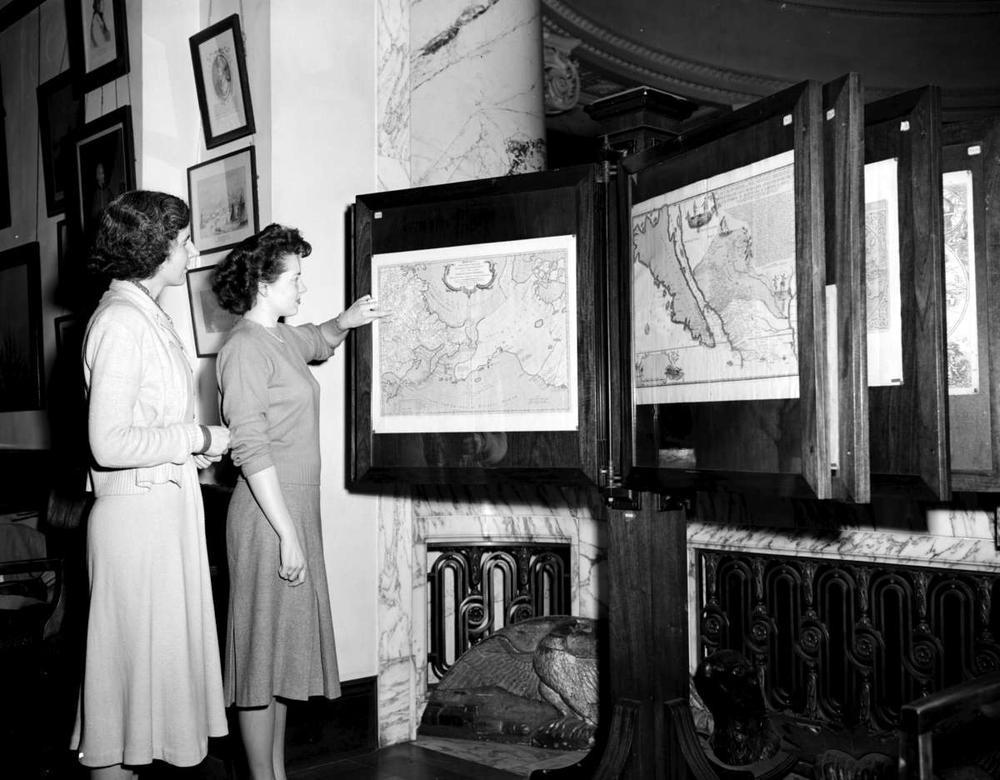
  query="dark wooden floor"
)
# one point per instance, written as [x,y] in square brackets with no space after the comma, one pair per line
[402,762]
[399,762]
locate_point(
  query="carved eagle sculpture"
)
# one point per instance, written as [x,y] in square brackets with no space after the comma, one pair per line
[533,681]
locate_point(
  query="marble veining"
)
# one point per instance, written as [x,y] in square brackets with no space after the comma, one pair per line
[393,99]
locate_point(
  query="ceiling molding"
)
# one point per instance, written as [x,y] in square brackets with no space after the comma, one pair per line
[917,8]
[643,65]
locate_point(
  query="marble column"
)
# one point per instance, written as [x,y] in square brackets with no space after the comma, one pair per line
[460,97]
[460,90]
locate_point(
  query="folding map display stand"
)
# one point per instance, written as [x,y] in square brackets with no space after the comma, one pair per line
[488,367]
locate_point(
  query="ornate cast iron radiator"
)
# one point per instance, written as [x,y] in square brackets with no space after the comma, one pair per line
[848,642]
[477,589]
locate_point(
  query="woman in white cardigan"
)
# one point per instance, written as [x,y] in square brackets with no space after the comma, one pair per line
[152,685]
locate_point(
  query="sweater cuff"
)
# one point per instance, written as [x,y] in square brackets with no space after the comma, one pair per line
[196,438]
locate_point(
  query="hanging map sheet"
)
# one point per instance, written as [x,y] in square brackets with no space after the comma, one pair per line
[882,286]
[960,284]
[713,288]
[481,337]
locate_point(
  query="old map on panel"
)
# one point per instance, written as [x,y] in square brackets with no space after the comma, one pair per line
[960,284]
[882,286]
[480,338]
[713,293]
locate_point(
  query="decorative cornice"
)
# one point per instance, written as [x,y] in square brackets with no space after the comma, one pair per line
[642,64]
[918,8]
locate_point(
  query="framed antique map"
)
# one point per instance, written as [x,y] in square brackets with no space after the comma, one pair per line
[487,368]
[970,181]
[481,337]
[727,303]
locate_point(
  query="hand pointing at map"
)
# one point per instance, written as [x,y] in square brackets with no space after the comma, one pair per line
[362,312]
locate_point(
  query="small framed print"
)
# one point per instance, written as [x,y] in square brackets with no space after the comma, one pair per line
[98,40]
[223,197]
[210,321]
[220,76]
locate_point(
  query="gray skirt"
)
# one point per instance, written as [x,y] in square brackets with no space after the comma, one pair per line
[279,638]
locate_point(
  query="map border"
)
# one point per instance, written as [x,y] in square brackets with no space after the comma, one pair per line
[486,421]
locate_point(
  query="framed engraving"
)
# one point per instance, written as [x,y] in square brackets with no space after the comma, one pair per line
[210,321]
[220,77]
[98,40]
[222,194]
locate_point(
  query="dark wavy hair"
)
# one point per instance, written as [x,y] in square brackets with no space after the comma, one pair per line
[134,234]
[254,260]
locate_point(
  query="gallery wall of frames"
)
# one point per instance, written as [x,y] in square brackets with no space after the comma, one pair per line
[85,165]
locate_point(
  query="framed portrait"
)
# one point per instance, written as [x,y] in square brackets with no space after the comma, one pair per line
[488,369]
[21,363]
[60,115]
[210,321]
[98,40]
[220,77]
[104,163]
[223,197]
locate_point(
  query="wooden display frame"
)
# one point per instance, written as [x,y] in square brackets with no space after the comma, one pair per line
[843,162]
[909,421]
[974,420]
[516,208]
[734,441]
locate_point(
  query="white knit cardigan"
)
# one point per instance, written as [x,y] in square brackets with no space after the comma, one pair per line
[140,388]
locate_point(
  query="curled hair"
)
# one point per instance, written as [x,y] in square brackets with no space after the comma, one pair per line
[134,234]
[256,259]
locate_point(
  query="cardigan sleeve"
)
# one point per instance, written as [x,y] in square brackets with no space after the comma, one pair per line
[242,372]
[114,357]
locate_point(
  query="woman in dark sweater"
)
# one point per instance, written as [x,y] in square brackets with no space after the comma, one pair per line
[279,642]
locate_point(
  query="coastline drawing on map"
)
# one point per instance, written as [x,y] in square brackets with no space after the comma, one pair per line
[713,288]
[481,337]
[960,284]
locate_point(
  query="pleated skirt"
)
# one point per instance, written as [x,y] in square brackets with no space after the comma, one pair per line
[279,637]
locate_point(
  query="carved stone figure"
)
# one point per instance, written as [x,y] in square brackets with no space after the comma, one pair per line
[533,681]
[729,688]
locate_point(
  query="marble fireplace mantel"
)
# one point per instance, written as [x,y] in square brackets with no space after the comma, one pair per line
[411,522]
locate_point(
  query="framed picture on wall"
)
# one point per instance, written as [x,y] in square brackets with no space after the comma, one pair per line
[4,179]
[20,329]
[104,163]
[223,197]
[69,335]
[98,40]
[210,321]
[62,247]
[220,77]
[60,115]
